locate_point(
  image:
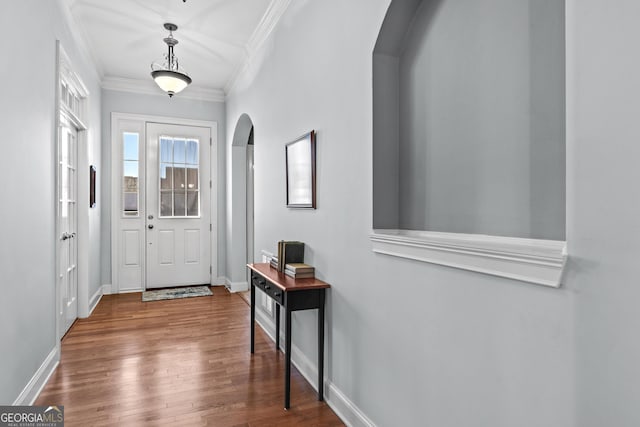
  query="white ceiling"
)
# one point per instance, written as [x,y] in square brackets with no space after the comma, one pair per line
[216,37]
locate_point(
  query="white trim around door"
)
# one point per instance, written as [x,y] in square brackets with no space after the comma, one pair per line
[129,220]
[72,230]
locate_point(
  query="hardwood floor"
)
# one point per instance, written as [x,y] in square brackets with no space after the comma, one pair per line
[183,362]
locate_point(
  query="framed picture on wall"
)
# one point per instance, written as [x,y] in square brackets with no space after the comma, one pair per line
[92,186]
[301,172]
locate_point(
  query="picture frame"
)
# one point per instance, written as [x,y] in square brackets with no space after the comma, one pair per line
[92,186]
[300,157]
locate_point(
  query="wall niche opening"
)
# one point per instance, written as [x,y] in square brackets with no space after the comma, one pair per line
[469,122]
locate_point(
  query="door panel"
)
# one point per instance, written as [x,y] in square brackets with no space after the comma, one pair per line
[131,248]
[166,248]
[191,245]
[178,243]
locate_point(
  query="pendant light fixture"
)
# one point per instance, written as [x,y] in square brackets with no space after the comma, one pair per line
[168,74]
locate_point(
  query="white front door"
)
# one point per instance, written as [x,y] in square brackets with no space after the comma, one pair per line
[178,219]
[67,225]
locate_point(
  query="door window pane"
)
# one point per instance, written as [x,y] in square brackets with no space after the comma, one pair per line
[130,169]
[192,178]
[130,149]
[192,152]
[166,150]
[130,204]
[131,176]
[179,177]
[166,176]
[179,204]
[179,151]
[192,203]
[166,203]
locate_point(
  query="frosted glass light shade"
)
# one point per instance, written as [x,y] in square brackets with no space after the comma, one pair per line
[169,81]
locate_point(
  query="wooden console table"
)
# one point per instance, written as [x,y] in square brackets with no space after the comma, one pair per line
[293,295]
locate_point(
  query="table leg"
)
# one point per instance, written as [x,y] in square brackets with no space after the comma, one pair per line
[277,326]
[287,363]
[253,315]
[321,347]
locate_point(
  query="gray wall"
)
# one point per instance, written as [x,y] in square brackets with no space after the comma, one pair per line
[603,225]
[480,93]
[408,343]
[160,105]
[27,254]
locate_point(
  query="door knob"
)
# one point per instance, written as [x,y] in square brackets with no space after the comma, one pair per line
[150,226]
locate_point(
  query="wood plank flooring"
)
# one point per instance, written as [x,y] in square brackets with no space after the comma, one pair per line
[183,362]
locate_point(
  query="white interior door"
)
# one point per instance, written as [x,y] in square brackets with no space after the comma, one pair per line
[67,225]
[178,217]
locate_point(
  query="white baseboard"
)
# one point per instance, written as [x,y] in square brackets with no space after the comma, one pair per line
[266,255]
[219,281]
[95,299]
[107,289]
[33,388]
[236,286]
[130,291]
[268,326]
[344,408]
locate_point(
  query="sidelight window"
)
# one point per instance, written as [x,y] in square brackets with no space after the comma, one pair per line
[130,168]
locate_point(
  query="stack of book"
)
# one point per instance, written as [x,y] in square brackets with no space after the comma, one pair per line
[299,270]
[289,252]
[274,262]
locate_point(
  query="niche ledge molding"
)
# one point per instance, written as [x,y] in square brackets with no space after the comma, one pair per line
[535,261]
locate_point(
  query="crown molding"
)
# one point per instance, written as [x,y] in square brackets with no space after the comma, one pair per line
[262,32]
[80,38]
[268,22]
[148,87]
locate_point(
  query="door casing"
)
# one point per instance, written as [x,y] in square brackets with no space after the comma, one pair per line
[121,281]
[65,73]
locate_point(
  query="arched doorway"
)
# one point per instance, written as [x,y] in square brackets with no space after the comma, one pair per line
[240,199]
